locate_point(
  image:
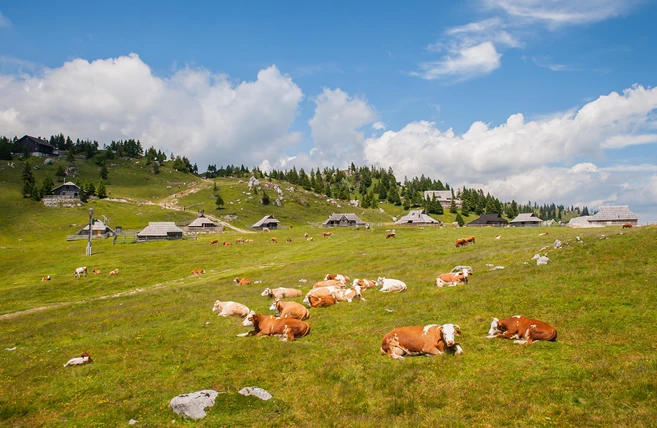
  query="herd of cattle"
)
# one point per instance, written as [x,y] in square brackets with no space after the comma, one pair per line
[434,339]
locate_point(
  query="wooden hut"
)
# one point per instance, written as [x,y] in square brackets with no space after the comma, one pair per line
[417,217]
[267,221]
[160,230]
[494,220]
[202,223]
[67,190]
[343,220]
[526,220]
[444,197]
[98,229]
[35,146]
[614,216]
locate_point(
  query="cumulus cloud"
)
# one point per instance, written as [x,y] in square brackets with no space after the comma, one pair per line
[4,21]
[534,160]
[192,112]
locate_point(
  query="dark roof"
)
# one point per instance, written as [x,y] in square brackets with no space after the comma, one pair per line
[68,183]
[349,217]
[35,140]
[268,219]
[489,219]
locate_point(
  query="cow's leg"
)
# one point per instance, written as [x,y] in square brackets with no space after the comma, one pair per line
[458,349]
[526,338]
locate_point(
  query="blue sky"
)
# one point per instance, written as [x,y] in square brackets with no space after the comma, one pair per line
[432,88]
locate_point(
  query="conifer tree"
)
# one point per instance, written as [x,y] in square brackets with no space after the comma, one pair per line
[28,180]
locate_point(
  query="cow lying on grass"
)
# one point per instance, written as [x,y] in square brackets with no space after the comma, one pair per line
[388,284]
[523,329]
[330,283]
[337,277]
[290,310]
[268,325]
[242,281]
[432,339]
[79,361]
[452,279]
[230,309]
[281,292]
[364,284]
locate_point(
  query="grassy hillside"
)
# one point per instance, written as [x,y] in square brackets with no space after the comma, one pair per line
[153,335]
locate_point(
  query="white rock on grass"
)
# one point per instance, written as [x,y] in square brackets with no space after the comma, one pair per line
[258,392]
[557,244]
[542,261]
[132,421]
[498,268]
[193,405]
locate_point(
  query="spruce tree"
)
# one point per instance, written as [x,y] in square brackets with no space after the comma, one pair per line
[28,180]
[61,173]
[459,220]
[47,186]
[103,172]
[219,201]
[101,192]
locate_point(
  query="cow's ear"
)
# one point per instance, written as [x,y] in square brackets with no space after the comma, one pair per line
[458,332]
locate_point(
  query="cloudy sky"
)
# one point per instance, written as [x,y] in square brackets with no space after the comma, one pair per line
[541,100]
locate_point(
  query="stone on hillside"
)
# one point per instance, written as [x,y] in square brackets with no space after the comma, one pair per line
[132,421]
[542,261]
[48,161]
[557,244]
[536,256]
[278,202]
[258,392]
[498,268]
[192,405]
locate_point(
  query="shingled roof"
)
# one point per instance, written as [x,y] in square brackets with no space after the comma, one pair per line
[266,220]
[488,219]
[98,225]
[202,222]
[526,218]
[614,213]
[348,217]
[160,229]
[416,217]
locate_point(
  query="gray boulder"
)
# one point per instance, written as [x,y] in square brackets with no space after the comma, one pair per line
[193,405]
[542,261]
[258,392]
[536,256]
[557,244]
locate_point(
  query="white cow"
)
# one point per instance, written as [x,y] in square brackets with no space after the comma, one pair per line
[228,309]
[281,292]
[80,271]
[78,361]
[389,284]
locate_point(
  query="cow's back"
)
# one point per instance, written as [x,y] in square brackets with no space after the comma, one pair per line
[412,338]
[294,310]
[541,331]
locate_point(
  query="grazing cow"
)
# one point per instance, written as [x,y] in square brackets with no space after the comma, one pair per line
[452,279]
[230,309]
[96,272]
[84,358]
[387,285]
[525,330]
[320,292]
[305,235]
[330,283]
[347,295]
[288,240]
[214,241]
[364,284]
[290,310]
[267,325]
[274,240]
[46,278]
[543,234]
[239,241]
[282,293]
[81,271]
[390,235]
[321,301]
[242,281]
[338,277]
[114,272]
[432,339]
[327,234]
[198,272]
[470,239]
[498,237]
[461,242]
[227,243]
[627,226]
[248,241]
[265,229]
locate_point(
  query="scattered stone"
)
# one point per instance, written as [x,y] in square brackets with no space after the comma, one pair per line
[10,349]
[460,268]
[542,261]
[193,405]
[543,248]
[578,239]
[525,263]
[489,265]
[390,310]
[536,256]
[258,392]
[132,421]
[303,280]
[498,268]
[278,202]
[557,244]
[48,161]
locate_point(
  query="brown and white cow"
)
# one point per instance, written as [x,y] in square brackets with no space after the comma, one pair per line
[364,284]
[338,277]
[461,242]
[268,325]
[114,272]
[198,272]
[214,241]
[523,329]
[96,271]
[230,309]
[452,279]
[242,281]
[81,271]
[320,292]
[348,295]
[391,235]
[290,310]
[321,301]
[227,243]
[83,359]
[274,240]
[470,239]
[627,226]
[282,292]
[46,278]
[432,339]
[329,283]
[327,234]
[239,241]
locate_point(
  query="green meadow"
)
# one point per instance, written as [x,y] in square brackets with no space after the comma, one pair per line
[153,335]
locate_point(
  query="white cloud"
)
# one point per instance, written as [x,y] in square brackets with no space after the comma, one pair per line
[4,21]
[378,126]
[563,12]
[531,160]
[193,112]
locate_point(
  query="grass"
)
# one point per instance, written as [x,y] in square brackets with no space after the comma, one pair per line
[158,338]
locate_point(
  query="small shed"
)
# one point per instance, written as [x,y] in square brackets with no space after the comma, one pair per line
[202,223]
[494,220]
[160,230]
[35,146]
[444,197]
[343,220]
[267,221]
[67,190]
[611,215]
[526,220]
[98,229]
[417,217]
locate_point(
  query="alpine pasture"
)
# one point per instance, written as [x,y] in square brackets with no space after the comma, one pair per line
[152,333]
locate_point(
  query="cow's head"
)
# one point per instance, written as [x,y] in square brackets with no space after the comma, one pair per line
[380,280]
[357,290]
[495,328]
[249,320]
[267,292]
[274,305]
[449,332]
[218,306]
[465,273]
